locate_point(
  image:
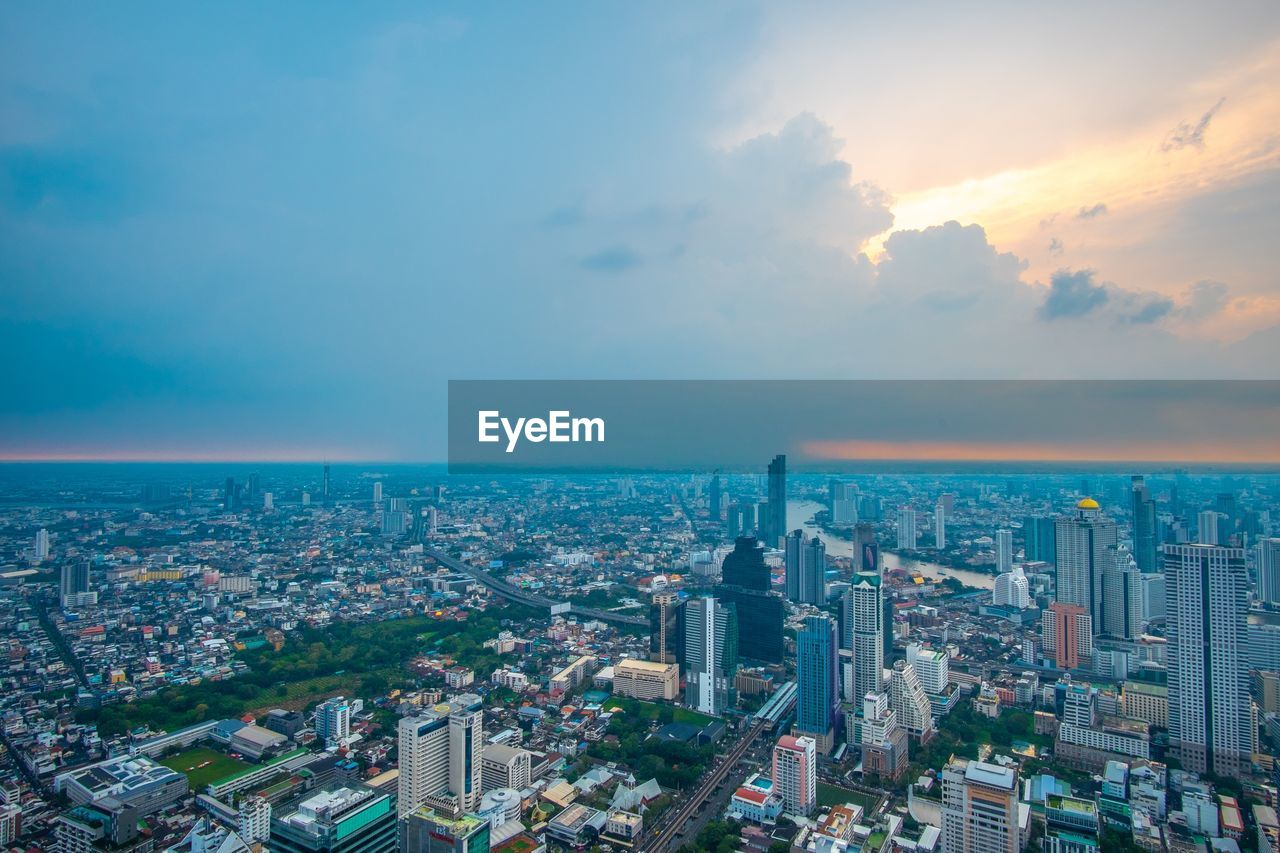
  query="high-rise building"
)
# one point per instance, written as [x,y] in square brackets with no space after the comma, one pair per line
[793,563]
[1004,551]
[268,501]
[1122,596]
[1012,589]
[932,666]
[506,767]
[41,544]
[326,487]
[427,831]
[254,822]
[74,581]
[377,493]
[1267,553]
[1207,607]
[1067,631]
[337,819]
[1084,543]
[666,628]
[714,499]
[333,721]
[229,495]
[980,808]
[777,520]
[813,572]
[1039,539]
[907,536]
[843,503]
[1145,539]
[760,613]
[1207,528]
[441,759]
[939,526]
[711,654]
[864,614]
[795,774]
[818,694]
[884,741]
[909,701]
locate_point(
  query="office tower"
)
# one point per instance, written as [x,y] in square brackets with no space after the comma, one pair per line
[844,503]
[980,808]
[1122,596]
[254,824]
[506,767]
[393,519]
[711,655]
[813,573]
[41,544]
[741,520]
[268,501]
[864,614]
[884,741]
[666,628]
[1004,551]
[910,702]
[253,488]
[760,614]
[1067,630]
[1071,824]
[1040,539]
[1207,608]
[306,499]
[1083,545]
[777,515]
[793,563]
[1267,553]
[939,526]
[818,695]
[326,486]
[441,759]
[906,529]
[795,774]
[933,668]
[714,499]
[427,831]
[229,494]
[74,581]
[1012,589]
[333,720]
[337,819]
[1207,528]
[1145,541]
[377,493]
[763,524]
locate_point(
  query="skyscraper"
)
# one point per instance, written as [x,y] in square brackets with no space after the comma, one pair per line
[41,545]
[711,654]
[1267,552]
[980,808]
[441,758]
[906,529]
[939,526]
[229,495]
[74,581]
[1122,610]
[326,491]
[1040,539]
[1004,551]
[864,614]
[795,774]
[793,563]
[813,573]
[377,493]
[666,628]
[760,613]
[1012,589]
[909,701]
[1207,607]
[818,695]
[1145,541]
[777,520]
[1067,631]
[714,499]
[1083,552]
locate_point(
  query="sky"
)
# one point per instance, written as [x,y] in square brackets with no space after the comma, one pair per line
[275,231]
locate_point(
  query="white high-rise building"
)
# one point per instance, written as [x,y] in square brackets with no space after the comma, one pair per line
[1084,543]
[864,613]
[1267,552]
[907,536]
[940,526]
[909,701]
[255,819]
[377,493]
[795,774]
[441,758]
[980,808]
[1122,596]
[333,721]
[1012,589]
[268,501]
[710,659]
[1207,528]
[42,544]
[1207,616]
[933,667]
[1004,551]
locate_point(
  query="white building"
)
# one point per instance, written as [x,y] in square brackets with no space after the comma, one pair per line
[909,701]
[980,810]
[939,526]
[1012,589]
[441,757]
[907,535]
[1267,553]
[933,668]
[505,767]
[1004,551]
[333,721]
[254,824]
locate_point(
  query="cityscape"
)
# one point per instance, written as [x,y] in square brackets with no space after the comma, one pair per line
[340,657]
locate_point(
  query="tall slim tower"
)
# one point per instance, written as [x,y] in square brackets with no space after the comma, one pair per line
[711,654]
[1207,527]
[666,628]
[466,753]
[326,491]
[377,494]
[1122,596]
[1207,613]
[1267,552]
[1083,547]
[818,695]
[1004,551]
[714,499]
[794,550]
[907,529]
[1145,545]
[813,573]
[864,613]
[42,544]
[760,614]
[939,526]
[777,521]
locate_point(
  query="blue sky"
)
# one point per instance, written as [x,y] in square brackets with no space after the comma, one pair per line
[277,230]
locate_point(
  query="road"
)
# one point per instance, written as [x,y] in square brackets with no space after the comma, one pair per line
[669,829]
[520,596]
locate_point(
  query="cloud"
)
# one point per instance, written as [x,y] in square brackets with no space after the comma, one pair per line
[1140,309]
[612,259]
[1187,135]
[1072,294]
[1055,246]
[1204,299]
[1092,212]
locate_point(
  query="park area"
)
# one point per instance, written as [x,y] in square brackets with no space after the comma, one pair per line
[833,795]
[202,765]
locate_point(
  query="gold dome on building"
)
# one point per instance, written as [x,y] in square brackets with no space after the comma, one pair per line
[1087,503]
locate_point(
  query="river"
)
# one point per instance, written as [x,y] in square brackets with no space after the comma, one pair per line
[803,512]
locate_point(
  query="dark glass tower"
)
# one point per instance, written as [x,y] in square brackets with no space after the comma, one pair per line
[777,521]
[746,583]
[1144,528]
[744,566]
